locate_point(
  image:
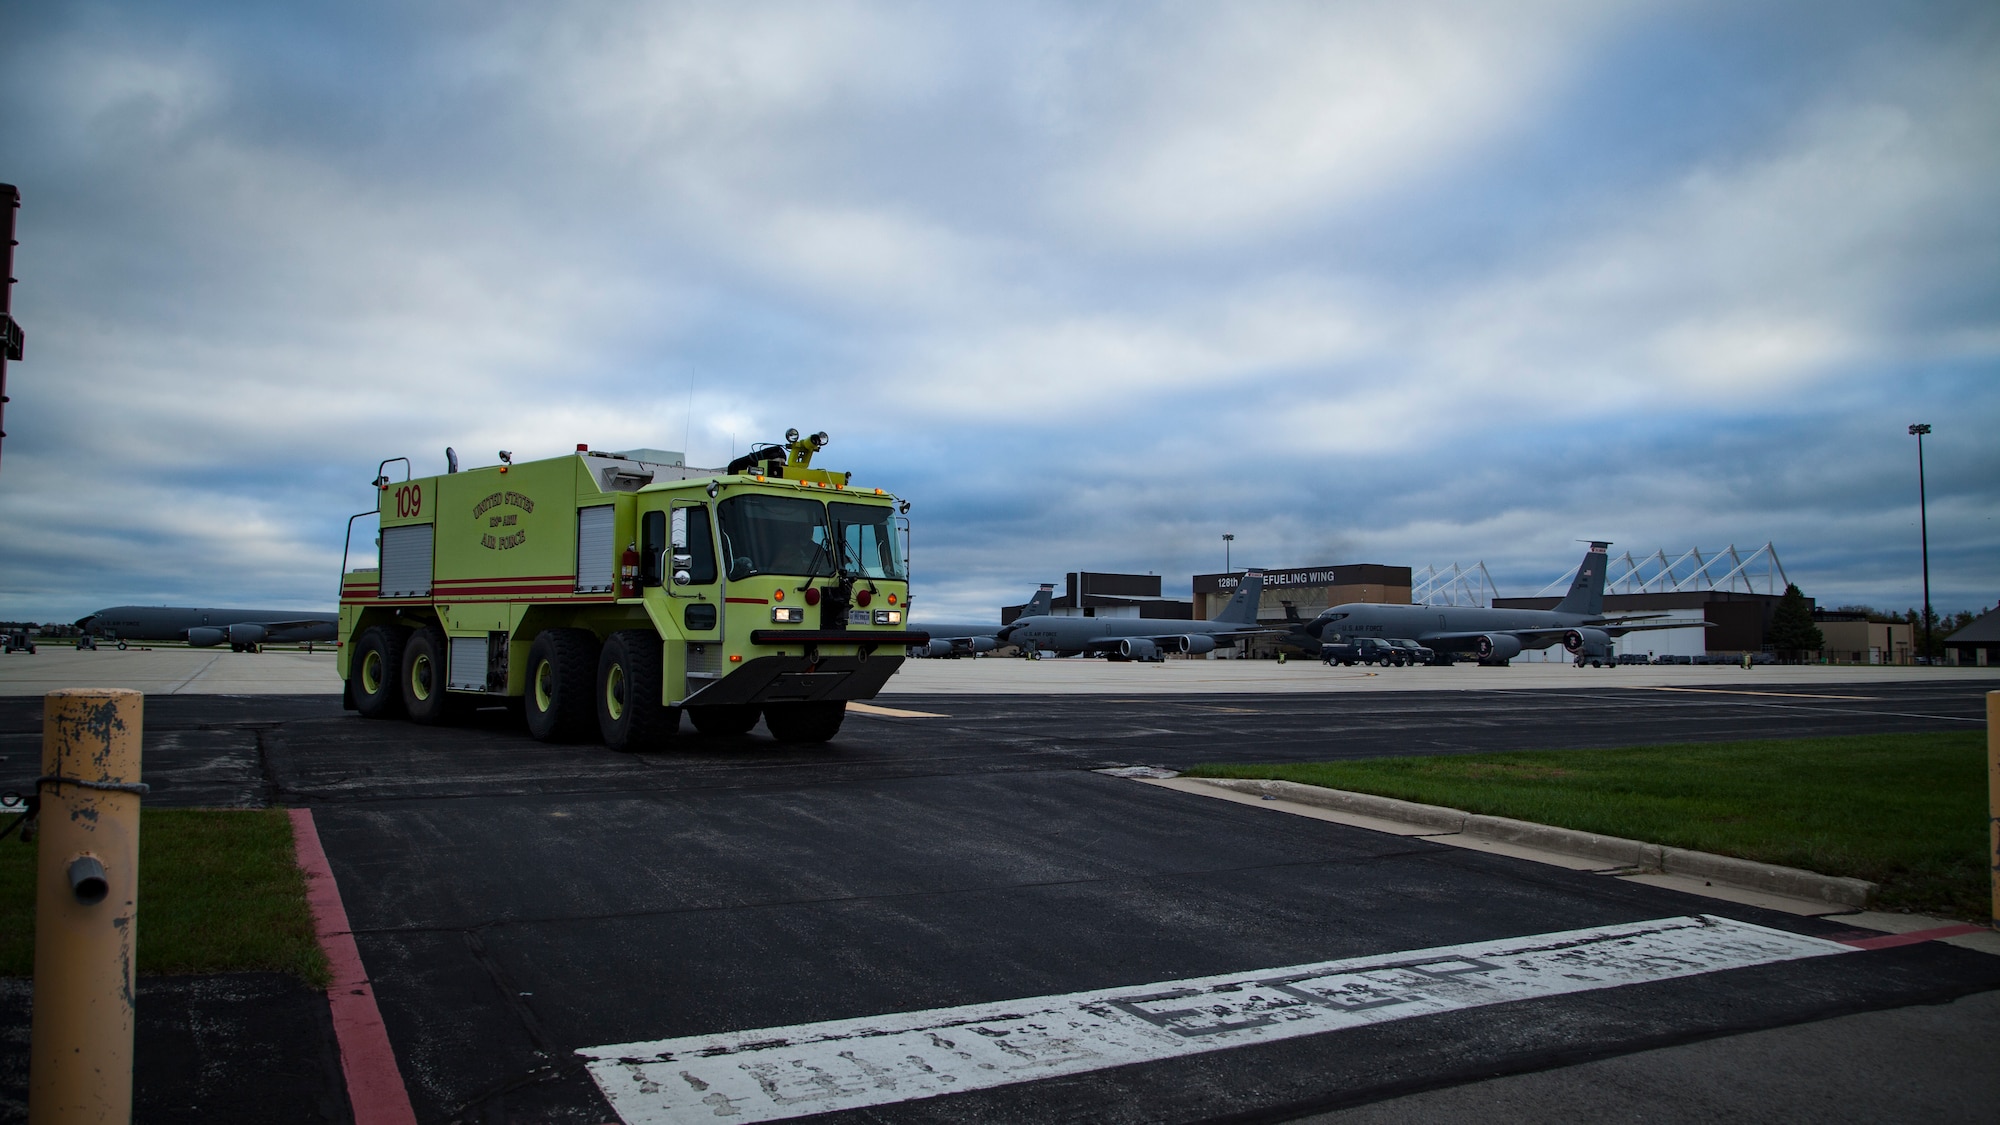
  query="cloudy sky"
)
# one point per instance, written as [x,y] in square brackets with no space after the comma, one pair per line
[1092,284]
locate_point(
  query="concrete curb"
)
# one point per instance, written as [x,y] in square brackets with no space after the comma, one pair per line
[1614,851]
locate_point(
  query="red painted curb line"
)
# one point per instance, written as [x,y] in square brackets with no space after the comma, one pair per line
[374,1085]
[1891,941]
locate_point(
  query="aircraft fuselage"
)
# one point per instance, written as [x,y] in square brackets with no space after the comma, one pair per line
[1448,628]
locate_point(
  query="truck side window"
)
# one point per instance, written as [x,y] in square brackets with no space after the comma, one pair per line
[700,544]
[652,546]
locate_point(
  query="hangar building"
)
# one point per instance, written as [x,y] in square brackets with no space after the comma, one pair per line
[1715,587]
[1310,589]
[1740,620]
[1097,594]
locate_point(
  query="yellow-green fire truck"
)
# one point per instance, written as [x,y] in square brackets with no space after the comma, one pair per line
[608,594]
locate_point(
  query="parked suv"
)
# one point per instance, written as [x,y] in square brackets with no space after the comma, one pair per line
[1414,652]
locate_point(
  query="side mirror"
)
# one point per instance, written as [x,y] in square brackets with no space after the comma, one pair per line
[682,578]
[680,533]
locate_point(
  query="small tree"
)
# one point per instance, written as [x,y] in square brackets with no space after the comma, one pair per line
[1792,628]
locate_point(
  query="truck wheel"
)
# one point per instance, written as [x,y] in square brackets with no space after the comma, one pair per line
[804,722]
[423,678]
[562,668]
[376,675]
[629,710]
[723,720]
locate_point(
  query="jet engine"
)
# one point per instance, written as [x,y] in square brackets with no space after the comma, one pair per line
[1194,643]
[1587,642]
[1138,648]
[203,637]
[936,648]
[1497,646]
[984,644]
[246,636]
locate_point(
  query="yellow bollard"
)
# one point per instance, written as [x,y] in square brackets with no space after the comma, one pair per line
[86,907]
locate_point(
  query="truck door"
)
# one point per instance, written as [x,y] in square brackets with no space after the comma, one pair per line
[693,585]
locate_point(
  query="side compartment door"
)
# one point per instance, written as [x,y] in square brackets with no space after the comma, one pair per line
[596,549]
[406,561]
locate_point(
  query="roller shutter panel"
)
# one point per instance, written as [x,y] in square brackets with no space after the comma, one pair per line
[406,561]
[596,564]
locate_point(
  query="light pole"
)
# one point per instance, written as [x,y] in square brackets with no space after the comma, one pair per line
[1226,541]
[1924,525]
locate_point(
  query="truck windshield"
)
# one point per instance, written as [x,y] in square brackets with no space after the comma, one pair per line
[868,544]
[773,535]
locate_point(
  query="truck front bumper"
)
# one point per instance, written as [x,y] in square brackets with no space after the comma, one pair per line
[793,679]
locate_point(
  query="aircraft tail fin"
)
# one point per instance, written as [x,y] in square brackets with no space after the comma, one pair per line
[1241,609]
[1038,605]
[1292,613]
[1586,594]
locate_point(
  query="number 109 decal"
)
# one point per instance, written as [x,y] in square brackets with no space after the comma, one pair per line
[410,500]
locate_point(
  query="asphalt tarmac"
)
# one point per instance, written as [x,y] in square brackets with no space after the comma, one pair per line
[515,903]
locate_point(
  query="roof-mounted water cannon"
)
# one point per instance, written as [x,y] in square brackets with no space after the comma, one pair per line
[803,448]
[789,461]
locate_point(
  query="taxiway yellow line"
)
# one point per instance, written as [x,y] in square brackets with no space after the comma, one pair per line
[893,713]
[1779,694]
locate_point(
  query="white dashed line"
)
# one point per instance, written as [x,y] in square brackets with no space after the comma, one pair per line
[771,1074]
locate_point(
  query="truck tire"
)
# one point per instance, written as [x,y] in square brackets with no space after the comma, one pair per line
[562,669]
[630,713]
[376,675]
[804,722]
[725,719]
[423,680]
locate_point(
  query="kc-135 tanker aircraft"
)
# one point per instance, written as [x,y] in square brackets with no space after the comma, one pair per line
[241,629]
[962,638]
[1137,638]
[1577,622]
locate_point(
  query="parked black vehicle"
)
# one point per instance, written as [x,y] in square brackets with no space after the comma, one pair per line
[1413,652]
[1360,650]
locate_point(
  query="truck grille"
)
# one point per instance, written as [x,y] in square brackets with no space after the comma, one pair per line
[704,660]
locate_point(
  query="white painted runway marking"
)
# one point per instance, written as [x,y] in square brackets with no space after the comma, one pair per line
[771,1074]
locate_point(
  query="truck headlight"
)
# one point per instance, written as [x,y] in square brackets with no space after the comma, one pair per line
[787,615]
[888,617]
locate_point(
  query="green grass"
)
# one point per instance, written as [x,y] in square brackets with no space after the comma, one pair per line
[1907,811]
[219,891]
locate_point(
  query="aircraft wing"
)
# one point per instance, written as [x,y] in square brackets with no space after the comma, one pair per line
[298,623]
[1617,629]
[1529,638]
[1099,644]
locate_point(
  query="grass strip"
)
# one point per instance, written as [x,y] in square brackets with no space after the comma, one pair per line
[1907,811]
[220,891]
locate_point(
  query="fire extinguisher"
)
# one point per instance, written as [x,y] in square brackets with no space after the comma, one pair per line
[628,572]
